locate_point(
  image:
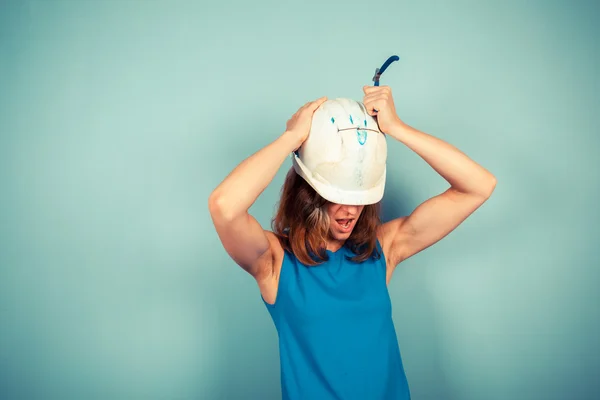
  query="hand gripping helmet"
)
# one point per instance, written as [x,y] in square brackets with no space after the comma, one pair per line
[344,156]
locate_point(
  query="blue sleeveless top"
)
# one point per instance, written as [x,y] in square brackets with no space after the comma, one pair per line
[336,335]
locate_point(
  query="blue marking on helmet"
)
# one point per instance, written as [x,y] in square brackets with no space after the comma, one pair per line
[351,120]
[362,137]
[332,120]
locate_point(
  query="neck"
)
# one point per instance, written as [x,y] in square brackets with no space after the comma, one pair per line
[335,245]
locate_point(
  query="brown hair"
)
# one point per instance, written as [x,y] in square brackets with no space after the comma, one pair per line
[302,224]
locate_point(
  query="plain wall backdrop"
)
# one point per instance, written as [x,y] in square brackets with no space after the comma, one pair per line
[118,119]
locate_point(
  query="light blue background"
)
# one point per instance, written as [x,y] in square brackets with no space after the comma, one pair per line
[118,118]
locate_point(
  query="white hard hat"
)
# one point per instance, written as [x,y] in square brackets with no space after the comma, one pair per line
[344,156]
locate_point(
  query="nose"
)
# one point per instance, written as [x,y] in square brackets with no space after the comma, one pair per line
[352,210]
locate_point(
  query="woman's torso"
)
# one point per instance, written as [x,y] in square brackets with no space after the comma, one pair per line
[336,335]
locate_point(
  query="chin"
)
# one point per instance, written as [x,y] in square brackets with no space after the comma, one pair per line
[341,235]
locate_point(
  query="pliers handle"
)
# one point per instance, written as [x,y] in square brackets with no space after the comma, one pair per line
[379,71]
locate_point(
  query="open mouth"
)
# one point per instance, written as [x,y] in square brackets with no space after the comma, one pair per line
[344,223]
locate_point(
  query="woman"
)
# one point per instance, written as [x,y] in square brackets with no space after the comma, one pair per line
[323,270]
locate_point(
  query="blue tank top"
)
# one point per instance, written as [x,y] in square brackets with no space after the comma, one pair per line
[336,335]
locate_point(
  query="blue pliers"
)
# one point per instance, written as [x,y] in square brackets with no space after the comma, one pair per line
[379,71]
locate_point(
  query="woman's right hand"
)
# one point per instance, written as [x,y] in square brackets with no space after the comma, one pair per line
[299,124]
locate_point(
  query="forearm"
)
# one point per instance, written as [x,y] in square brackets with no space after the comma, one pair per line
[240,189]
[461,172]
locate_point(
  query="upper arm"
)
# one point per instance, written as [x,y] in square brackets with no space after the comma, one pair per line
[246,242]
[431,221]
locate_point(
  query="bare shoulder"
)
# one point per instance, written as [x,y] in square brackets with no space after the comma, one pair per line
[387,232]
[266,264]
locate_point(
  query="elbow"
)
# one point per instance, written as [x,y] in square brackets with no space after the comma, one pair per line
[218,207]
[215,204]
[490,187]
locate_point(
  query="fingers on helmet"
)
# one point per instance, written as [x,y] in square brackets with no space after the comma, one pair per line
[315,104]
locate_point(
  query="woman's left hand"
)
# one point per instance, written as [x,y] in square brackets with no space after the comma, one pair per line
[379,103]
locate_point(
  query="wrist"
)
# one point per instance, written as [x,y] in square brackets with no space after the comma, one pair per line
[292,140]
[398,129]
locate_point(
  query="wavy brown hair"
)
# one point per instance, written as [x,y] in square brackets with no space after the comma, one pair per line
[302,224]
